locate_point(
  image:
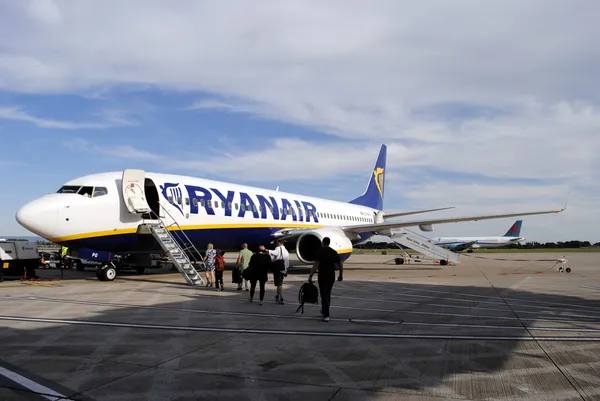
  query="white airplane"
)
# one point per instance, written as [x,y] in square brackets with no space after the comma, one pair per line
[458,244]
[111,211]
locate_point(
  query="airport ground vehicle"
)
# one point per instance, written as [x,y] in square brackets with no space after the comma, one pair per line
[18,257]
[84,257]
[80,259]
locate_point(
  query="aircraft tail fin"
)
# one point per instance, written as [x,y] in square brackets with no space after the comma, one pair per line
[373,196]
[515,229]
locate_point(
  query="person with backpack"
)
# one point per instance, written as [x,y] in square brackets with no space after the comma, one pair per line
[327,261]
[219,269]
[258,269]
[280,258]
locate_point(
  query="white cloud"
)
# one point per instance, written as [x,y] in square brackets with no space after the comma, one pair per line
[45,11]
[576,222]
[553,141]
[289,159]
[110,119]
[321,53]
[497,193]
[121,151]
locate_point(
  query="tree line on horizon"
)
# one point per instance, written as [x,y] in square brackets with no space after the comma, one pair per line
[527,245]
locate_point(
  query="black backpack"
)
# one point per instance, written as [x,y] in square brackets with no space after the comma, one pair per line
[308,293]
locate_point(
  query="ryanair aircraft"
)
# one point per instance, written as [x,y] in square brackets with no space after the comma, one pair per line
[109,211]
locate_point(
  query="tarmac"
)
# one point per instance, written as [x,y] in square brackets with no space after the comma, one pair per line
[498,326]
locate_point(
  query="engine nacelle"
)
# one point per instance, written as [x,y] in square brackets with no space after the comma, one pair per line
[309,243]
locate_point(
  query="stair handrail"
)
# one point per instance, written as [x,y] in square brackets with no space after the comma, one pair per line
[176,233]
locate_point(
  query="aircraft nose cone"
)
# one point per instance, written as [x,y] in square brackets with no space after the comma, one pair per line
[37,217]
[26,216]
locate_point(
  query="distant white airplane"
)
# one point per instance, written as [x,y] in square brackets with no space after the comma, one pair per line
[458,244]
[115,212]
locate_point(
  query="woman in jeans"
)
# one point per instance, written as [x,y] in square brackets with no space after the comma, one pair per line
[209,263]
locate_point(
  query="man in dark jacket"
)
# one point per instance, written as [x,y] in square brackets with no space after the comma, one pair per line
[259,267]
[326,263]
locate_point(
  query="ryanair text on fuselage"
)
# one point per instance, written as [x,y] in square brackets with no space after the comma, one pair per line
[200,197]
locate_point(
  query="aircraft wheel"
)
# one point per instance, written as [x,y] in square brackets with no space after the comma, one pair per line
[469,251]
[399,261]
[109,273]
[443,262]
[568,270]
[99,274]
[140,270]
[1,277]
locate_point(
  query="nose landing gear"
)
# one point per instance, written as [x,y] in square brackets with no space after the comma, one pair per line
[107,272]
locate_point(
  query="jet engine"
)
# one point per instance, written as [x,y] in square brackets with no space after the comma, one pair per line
[309,243]
[426,227]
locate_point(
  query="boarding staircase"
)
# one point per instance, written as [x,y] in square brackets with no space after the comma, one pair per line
[424,245]
[178,246]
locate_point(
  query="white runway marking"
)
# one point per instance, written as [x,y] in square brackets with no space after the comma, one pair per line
[35,387]
[491,298]
[301,333]
[505,310]
[278,316]
[558,319]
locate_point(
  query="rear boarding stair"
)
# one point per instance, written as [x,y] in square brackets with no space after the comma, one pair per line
[422,244]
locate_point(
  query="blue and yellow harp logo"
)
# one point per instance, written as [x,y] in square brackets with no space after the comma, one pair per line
[378,176]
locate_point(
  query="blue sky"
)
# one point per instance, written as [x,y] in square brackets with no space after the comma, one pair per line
[488,115]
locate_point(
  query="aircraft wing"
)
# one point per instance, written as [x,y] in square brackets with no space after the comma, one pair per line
[288,233]
[462,247]
[387,226]
[392,215]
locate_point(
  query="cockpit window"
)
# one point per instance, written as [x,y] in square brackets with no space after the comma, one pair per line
[69,189]
[86,191]
[99,191]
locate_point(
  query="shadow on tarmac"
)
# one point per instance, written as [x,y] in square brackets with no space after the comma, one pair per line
[384,338]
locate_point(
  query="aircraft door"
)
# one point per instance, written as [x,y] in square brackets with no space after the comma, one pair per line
[132,188]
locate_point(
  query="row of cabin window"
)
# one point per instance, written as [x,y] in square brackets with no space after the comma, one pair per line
[215,204]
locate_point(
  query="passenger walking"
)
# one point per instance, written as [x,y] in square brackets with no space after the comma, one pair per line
[219,269]
[281,261]
[259,268]
[327,261]
[242,261]
[209,263]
